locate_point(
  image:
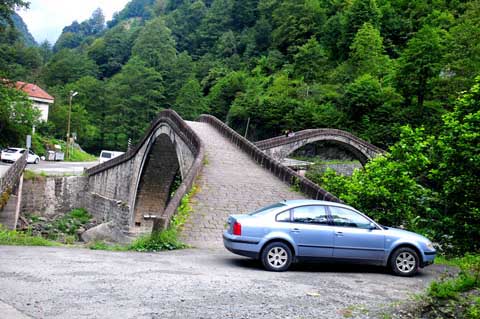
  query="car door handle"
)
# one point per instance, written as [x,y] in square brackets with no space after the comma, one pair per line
[339,234]
[295,230]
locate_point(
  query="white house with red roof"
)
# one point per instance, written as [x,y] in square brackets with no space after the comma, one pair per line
[38,96]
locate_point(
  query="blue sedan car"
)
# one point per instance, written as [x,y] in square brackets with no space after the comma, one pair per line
[301,230]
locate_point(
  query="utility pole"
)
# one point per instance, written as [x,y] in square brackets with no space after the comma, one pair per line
[246,129]
[71,95]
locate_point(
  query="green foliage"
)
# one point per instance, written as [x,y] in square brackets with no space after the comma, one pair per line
[68,66]
[7,9]
[72,221]
[78,155]
[17,116]
[13,237]
[155,46]
[31,175]
[456,296]
[101,245]
[190,102]
[165,240]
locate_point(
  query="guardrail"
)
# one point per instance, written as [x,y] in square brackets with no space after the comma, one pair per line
[286,174]
[188,136]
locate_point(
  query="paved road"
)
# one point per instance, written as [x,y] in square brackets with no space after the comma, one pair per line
[44,282]
[55,168]
[230,183]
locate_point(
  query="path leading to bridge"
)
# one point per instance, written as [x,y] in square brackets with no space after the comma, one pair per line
[230,183]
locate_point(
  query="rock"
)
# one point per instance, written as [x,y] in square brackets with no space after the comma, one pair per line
[108,232]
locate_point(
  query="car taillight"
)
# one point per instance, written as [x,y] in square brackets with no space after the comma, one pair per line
[237,229]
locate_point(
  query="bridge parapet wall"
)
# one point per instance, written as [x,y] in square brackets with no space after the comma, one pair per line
[11,177]
[286,174]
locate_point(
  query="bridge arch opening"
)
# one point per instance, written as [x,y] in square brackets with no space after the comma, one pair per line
[328,150]
[159,176]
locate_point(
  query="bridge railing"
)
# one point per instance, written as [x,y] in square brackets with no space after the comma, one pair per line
[11,177]
[305,134]
[286,174]
[194,144]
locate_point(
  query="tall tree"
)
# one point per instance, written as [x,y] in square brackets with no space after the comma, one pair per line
[190,102]
[367,52]
[155,46]
[357,14]
[68,66]
[295,22]
[420,62]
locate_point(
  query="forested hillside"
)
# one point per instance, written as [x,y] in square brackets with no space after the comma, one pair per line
[367,66]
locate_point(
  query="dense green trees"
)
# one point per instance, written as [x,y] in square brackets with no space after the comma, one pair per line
[368,66]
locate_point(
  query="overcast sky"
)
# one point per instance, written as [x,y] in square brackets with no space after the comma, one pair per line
[46,18]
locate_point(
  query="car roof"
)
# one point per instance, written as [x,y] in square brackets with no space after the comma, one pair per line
[302,202]
[15,148]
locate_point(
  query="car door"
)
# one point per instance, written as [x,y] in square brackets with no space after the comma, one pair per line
[354,236]
[312,231]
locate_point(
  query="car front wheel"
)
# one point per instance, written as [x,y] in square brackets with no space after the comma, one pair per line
[276,256]
[37,161]
[404,262]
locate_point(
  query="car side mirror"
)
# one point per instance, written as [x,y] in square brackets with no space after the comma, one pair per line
[372,226]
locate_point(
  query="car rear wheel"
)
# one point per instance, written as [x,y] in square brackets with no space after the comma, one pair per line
[276,256]
[404,262]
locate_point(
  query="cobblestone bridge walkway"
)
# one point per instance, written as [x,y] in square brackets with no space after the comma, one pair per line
[230,183]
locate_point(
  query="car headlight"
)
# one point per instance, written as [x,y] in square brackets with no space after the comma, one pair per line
[430,245]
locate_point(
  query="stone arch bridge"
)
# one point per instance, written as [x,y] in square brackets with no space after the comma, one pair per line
[282,146]
[232,175]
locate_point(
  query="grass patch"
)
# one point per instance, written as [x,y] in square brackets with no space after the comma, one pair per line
[157,241]
[101,245]
[12,237]
[77,155]
[31,175]
[64,229]
[72,221]
[451,296]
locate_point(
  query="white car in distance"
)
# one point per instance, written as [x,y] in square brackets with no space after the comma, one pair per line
[12,154]
[108,155]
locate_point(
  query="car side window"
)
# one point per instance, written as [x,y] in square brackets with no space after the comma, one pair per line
[22,151]
[310,215]
[283,217]
[30,152]
[347,218]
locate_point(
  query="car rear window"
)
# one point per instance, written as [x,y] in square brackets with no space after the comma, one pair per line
[266,210]
[11,150]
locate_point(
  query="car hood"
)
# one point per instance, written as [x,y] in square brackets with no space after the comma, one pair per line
[401,233]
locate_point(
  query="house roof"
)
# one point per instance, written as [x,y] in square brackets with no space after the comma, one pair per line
[33,91]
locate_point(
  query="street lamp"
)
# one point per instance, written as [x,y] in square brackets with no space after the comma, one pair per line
[71,95]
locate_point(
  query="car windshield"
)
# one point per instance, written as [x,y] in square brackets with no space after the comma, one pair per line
[266,210]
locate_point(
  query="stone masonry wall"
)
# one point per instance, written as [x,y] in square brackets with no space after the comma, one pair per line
[51,196]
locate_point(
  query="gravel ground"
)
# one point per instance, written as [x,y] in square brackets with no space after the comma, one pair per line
[45,282]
